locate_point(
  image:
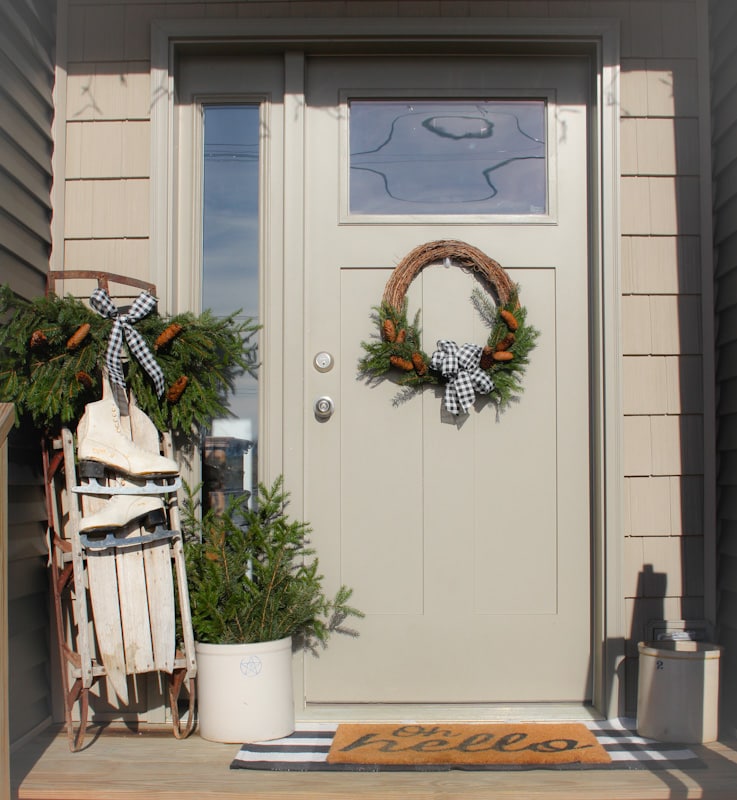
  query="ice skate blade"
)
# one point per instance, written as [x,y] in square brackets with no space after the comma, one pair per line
[89,468]
[147,519]
[93,486]
[110,540]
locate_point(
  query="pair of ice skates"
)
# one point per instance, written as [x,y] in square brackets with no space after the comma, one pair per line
[134,477]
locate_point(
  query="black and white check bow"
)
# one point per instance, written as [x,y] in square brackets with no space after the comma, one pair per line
[460,365]
[123,329]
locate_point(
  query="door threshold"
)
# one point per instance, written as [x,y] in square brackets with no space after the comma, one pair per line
[458,712]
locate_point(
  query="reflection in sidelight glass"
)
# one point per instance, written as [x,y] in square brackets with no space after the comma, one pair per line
[447,157]
[230,281]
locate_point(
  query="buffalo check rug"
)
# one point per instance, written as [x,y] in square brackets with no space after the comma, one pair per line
[408,746]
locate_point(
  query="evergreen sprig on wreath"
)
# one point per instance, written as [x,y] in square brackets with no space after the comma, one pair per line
[397,351]
[52,350]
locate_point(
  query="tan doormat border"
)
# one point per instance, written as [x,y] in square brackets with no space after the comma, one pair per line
[466,744]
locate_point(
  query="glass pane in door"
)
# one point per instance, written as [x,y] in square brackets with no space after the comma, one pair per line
[448,156]
[230,281]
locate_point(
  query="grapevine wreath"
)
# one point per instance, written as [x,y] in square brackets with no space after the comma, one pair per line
[494,369]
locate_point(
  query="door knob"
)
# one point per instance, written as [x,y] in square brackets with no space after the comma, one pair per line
[324,407]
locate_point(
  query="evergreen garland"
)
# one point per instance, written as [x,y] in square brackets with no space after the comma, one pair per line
[51,381]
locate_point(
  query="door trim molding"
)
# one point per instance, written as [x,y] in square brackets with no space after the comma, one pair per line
[600,37]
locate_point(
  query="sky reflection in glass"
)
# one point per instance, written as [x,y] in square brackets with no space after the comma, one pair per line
[230,271]
[447,157]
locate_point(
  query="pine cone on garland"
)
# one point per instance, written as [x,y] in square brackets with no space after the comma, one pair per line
[76,339]
[83,378]
[169,333]
[176,389]
[38,340]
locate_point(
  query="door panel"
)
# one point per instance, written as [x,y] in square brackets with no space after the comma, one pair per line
[467,542]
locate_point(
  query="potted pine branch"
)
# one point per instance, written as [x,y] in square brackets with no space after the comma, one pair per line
[256,593]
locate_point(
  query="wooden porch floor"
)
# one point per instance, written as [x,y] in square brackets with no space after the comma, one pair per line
[136,765]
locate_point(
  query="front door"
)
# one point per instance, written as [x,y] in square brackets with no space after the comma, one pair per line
[467,540]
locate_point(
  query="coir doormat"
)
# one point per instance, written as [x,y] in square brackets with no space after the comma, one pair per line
[376,748]
[500,744]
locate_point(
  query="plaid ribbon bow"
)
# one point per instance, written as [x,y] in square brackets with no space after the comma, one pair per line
[123,329]
[460,365]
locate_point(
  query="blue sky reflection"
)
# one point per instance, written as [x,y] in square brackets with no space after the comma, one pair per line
[447,157]
[230,228]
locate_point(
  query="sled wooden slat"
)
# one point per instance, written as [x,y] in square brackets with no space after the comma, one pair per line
[102,581]
[160,593]
[102,576]
[157,563]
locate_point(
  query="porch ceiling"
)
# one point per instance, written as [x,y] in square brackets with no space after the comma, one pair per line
[120,764]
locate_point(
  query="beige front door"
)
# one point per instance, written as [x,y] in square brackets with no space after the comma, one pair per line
[467,542]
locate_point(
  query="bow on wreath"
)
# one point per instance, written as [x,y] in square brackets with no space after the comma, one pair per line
[460,365]
[123,329]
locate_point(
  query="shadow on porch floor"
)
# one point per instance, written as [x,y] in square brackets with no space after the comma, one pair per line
[120,764]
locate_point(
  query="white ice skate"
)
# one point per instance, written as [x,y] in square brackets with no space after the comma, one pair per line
[101,444]
[122,510]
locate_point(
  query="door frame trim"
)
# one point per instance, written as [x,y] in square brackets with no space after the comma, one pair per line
[601,38]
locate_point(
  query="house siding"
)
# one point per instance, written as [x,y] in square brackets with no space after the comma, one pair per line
[724,149]
[664,329]
[27,68]
[27,35]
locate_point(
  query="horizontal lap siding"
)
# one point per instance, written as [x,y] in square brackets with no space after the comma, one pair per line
[27,68]
[724,100]
[27,38]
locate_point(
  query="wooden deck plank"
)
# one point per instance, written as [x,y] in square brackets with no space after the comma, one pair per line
[128,765]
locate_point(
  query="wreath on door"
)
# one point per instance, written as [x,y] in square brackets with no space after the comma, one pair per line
[493,370]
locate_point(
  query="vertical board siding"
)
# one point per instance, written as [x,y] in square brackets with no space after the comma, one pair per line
[27,587]
[27,67]
[724,99]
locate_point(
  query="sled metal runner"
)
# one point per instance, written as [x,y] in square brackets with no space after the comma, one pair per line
[115,595]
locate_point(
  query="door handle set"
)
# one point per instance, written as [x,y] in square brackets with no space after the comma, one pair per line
[324,407]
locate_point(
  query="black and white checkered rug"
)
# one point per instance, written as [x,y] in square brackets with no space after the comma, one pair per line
[306,750]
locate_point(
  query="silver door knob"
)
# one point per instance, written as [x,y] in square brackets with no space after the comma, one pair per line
[324,407]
